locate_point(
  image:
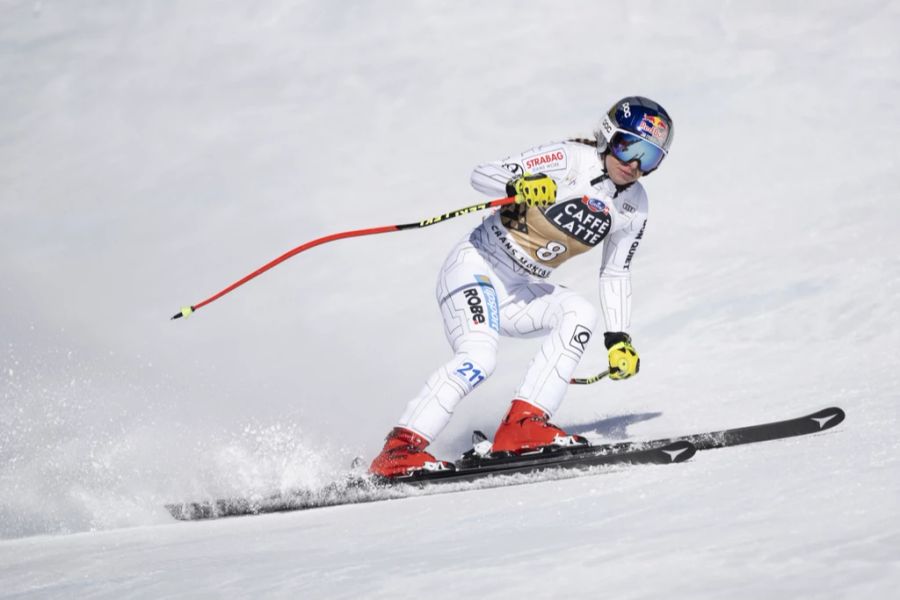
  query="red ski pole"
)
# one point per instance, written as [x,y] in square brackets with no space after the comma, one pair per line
[188,310]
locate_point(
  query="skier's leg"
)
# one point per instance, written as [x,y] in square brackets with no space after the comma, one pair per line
[469,306]
[567,320]
[470,309]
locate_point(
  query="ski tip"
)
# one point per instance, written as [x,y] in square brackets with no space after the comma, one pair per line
[828,417]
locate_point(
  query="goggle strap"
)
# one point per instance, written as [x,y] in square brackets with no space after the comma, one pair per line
[607,128]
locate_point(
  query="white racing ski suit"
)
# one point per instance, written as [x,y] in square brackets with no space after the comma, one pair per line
[494,282]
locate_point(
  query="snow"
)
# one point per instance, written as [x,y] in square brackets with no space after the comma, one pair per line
[152,153]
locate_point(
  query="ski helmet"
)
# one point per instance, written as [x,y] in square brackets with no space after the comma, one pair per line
[636,128]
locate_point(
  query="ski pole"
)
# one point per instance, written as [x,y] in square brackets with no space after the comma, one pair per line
[589,380]
[188,310]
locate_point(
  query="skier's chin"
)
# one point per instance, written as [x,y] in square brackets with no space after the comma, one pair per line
[622,178]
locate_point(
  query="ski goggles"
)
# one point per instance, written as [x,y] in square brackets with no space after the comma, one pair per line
[628,147]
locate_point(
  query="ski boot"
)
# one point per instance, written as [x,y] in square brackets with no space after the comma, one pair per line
[526,427]
[404,453]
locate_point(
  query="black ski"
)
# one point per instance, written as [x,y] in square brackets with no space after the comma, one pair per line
[356,490]
[822,420]
[579,457]
[473,467]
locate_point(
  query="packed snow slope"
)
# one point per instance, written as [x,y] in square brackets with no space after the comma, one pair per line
[151,153]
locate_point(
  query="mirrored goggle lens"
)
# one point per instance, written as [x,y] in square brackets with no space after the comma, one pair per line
[628,147]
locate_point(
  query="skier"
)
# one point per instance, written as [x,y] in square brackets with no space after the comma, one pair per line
[570,197]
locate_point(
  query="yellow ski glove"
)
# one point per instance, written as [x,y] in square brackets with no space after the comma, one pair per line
[623,358]
[533,190]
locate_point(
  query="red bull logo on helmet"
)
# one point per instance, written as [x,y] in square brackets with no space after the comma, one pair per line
[654,128]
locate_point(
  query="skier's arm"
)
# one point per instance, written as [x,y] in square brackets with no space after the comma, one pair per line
[615,272]
[492,178]
[615,294]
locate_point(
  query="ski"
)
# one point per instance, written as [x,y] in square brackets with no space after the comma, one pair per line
[498,471]
[471,468]
[503,469]
[819,421]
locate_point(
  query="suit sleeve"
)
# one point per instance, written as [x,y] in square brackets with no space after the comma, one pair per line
[490,178]
[554,159]
[615,271]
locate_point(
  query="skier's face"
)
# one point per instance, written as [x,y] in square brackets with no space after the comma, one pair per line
[622,173]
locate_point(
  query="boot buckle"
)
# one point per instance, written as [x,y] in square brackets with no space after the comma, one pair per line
[439,465]
[567,441]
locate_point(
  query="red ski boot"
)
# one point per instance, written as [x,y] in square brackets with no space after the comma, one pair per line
[403,452]
[526,427]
